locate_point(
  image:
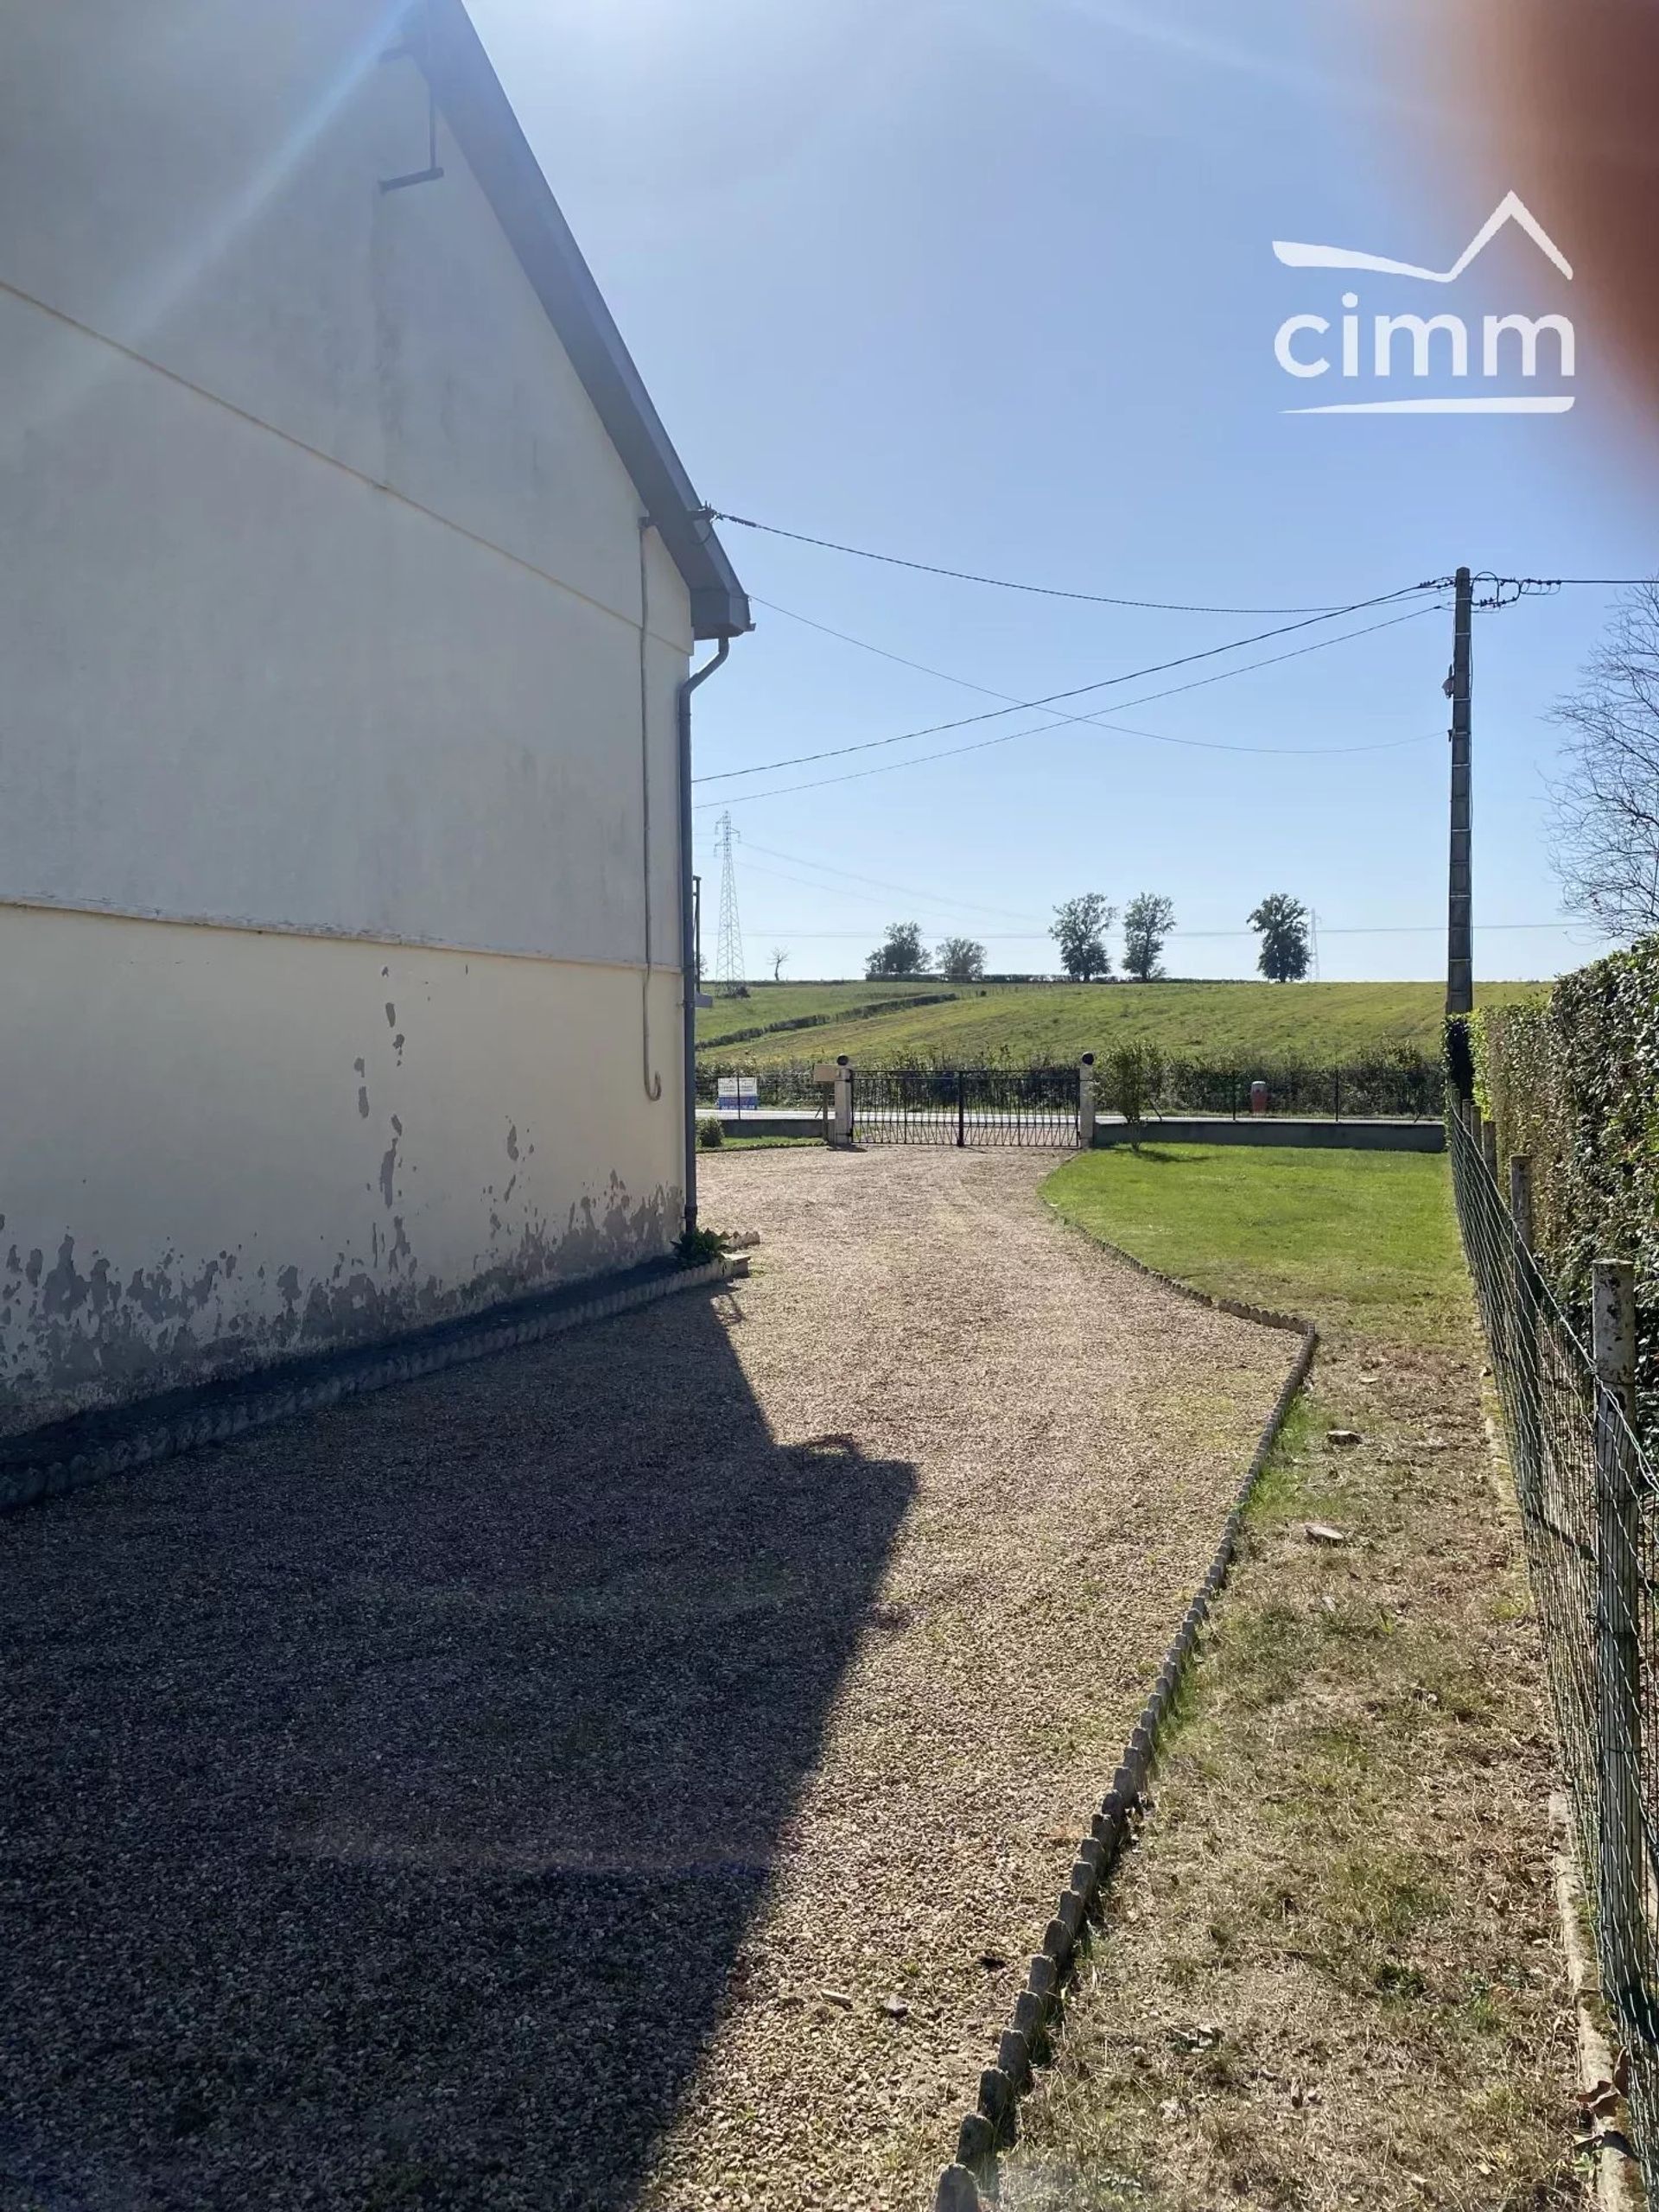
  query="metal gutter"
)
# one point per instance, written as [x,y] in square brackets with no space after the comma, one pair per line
[688,937]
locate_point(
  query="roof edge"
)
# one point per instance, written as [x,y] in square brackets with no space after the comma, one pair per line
[480,116]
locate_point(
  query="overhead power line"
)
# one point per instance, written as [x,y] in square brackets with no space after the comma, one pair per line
[1102,684]
[883,895]
[1042,729]
[1060,721]
[847,638]
[899,890]
[1004,583]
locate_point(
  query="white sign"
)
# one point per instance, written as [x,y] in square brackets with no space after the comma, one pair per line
[1303,345]
[733,1093]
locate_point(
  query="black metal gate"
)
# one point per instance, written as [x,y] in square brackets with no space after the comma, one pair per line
[966,1106]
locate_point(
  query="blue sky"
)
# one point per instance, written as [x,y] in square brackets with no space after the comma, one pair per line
[992,285]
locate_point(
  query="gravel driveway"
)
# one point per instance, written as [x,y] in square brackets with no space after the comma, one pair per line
[607,1775]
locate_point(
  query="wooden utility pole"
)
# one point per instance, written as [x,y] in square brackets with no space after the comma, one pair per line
[1460,934]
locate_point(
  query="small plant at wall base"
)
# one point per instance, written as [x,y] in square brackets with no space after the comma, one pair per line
[711,1133]
[699,1248]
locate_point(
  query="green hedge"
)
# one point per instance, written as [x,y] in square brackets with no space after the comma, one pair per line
[1572,1082]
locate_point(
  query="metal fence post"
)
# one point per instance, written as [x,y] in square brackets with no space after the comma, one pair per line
[1086,1102]
[962,1121]
[1523,1337]
[843,1100]
[1620,1875]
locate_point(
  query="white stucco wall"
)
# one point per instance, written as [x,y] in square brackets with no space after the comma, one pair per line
[321,616]
[247,1144]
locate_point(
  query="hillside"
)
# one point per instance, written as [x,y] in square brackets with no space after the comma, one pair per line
[768,1003]
[1220,1023]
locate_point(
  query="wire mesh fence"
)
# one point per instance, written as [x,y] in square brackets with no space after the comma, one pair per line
[1591,1514]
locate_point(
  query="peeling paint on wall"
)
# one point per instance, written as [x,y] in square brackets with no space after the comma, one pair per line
[84,1338]
[319,1190]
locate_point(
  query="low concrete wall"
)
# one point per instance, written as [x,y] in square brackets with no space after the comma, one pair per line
[1266,1129]
[783,1124]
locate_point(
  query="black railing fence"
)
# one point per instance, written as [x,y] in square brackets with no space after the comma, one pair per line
[1590,1509]
[966,1106]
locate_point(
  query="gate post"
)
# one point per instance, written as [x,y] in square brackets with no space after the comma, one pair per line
[1086,1102]
[843,1101]
[1620,1881]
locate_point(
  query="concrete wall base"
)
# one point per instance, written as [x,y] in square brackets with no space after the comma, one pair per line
[1264,1128]
[92,1447]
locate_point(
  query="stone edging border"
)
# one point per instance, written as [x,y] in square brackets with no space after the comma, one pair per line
[985,2129]
[138,1436]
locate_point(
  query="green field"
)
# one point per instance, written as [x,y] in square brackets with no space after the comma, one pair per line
[1019,1023]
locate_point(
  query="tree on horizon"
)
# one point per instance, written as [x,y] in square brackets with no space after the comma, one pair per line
[1148,920]
[961,960]
[1282,923]
[1078,928]
[899,953]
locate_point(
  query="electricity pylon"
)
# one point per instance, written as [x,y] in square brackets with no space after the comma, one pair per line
[728,952]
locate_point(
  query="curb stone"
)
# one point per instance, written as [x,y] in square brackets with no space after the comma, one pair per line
[963,2184]
[31,1469]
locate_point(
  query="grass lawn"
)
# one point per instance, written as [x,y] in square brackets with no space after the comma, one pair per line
[1358,1241]
[1328,1970]
[1224,1024]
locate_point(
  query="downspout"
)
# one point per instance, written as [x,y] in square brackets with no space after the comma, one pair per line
[688,939]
